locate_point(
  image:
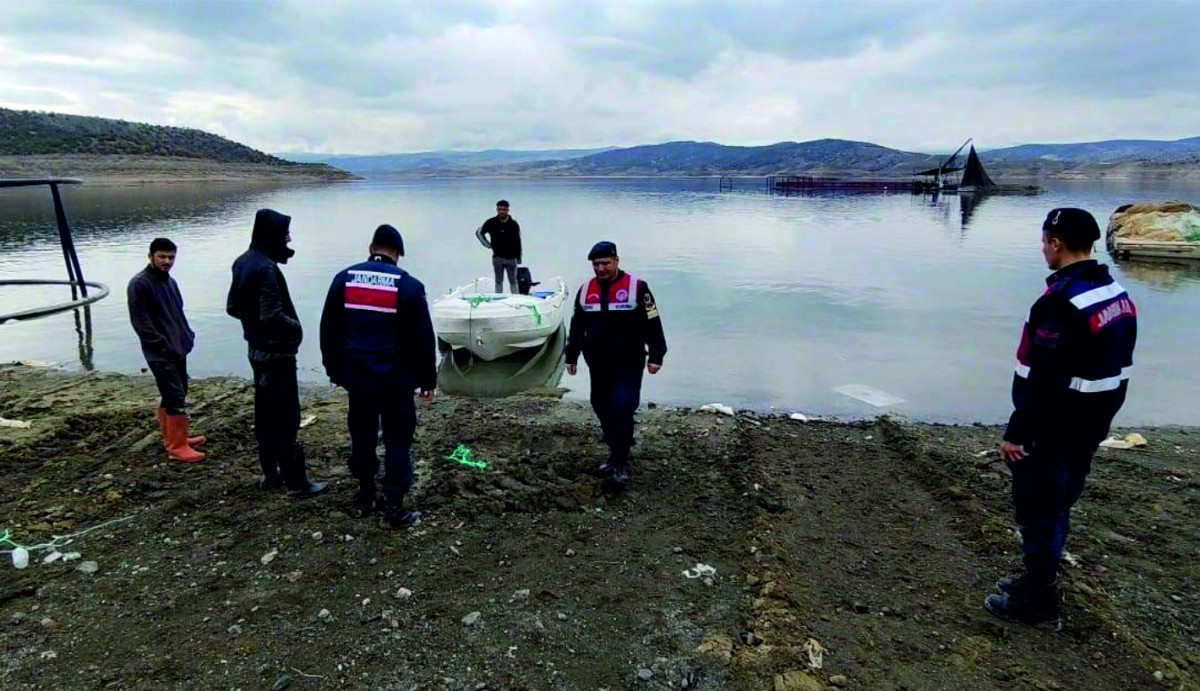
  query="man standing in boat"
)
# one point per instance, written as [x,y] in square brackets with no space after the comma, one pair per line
[259,299]
[377,342]
[156,312]
[502,235]
[1072,374]
[617,328]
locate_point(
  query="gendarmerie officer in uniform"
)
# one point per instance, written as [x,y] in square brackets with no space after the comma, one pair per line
[1073,367]
[617,328]
[377,342]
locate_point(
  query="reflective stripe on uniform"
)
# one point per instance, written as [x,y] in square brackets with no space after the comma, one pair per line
[1099,385]
[1085,385]
[1095,295]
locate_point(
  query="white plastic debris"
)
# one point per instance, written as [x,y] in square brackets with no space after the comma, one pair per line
[799,417]
[71,556]
[869,395]
[269,557]
[700,571]
[52,557]
[15,424]
[308,420]
[404,593]
[717,408]
[20,557]
[816,653]
[1131,441]
[88,567]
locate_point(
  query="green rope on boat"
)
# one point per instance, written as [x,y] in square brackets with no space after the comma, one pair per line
[464,456]
[537,315]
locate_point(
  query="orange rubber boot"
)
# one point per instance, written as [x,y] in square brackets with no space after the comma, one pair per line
[177,440]
[162,426]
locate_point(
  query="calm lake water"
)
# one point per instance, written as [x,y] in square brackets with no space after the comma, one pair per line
[767,301]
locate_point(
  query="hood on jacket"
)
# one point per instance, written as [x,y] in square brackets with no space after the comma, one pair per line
[270,235]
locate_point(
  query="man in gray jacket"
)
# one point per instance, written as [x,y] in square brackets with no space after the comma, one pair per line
[156,312]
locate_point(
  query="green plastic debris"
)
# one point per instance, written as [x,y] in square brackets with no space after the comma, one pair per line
[464,456]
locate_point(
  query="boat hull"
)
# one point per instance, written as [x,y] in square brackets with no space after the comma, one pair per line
[491,325]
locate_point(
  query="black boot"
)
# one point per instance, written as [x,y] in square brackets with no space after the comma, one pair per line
[396,516]
[606,469]
[1027,604]
[1010,585]
[295,475]
[365,499]
[271,479]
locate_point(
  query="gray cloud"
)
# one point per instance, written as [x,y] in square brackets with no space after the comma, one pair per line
[369,77]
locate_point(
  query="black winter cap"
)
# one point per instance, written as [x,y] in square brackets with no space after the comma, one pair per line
[602,250]
[1072,224]
[387,236]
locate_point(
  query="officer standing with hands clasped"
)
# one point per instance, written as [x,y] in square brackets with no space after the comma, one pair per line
[1072,374]
[377,342]
[615,323]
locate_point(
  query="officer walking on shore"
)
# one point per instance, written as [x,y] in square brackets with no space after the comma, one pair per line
[377,342]
[259,298]
[156,312]
[1073,367]
[615,326]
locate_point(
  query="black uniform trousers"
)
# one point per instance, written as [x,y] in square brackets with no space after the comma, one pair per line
[398,413]
[276,415]
[616,394]
[1046,484]
[172,379]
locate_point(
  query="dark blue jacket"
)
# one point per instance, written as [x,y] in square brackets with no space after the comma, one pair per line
[375,330]
[258,295]
[616,324]
[1074,361]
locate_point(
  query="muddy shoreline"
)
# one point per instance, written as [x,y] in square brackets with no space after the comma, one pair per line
[872,541]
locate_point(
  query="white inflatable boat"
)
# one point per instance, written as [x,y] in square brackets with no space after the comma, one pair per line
[491,324]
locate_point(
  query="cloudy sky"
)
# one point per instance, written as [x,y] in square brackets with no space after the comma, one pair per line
[364,77]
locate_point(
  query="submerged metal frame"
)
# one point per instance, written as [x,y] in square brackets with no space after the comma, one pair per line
[75,279]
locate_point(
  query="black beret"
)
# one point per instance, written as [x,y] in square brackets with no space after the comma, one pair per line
[387,236]
[601,250]
[1072,224]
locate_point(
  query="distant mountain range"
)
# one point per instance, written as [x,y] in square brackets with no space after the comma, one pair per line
[823,157]
[442,162]
[41,143]
[1106,152]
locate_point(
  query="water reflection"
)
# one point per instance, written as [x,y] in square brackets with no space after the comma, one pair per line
[1163,275]
[462,374]
[83,330]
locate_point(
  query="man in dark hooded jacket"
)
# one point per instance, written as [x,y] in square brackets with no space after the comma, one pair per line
[259,298]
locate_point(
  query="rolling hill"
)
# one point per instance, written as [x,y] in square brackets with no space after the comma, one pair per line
[37,143]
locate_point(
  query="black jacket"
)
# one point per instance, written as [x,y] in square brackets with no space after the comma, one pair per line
[1074,359]
[258,296]
[503,237]
[156,312]
[376,333]
[608,335]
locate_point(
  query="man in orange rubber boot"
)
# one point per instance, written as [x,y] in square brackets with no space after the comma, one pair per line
[156,312]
